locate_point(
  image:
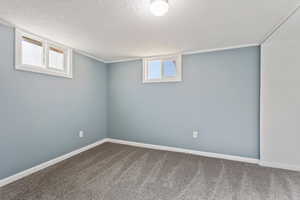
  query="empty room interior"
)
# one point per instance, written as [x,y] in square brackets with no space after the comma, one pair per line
[150,100]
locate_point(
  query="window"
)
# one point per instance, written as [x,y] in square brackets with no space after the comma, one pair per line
[39,55]
[162,69]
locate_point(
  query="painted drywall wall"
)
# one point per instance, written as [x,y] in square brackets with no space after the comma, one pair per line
[219,97]
[40,115]
[280,96]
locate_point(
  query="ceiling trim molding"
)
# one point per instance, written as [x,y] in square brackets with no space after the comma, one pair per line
[277,26]
[6,23]
[188,52]
[220,49]
[89,55]
[124,60]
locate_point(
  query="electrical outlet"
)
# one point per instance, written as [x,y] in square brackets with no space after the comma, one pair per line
[195,134]
[81,134]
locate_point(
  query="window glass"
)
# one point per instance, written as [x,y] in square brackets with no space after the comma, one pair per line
[32,52]
[169,68]
[56,58]
[154,69]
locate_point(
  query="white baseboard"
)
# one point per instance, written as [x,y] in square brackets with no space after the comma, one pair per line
[279,165]
[49,163]
[188,151]
[44,165]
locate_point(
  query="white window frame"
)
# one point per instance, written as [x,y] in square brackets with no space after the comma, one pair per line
[163,79]
[45,68]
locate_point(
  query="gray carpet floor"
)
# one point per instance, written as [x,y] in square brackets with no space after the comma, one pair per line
[115,172]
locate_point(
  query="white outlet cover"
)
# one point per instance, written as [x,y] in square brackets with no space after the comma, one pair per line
[195,134]
[81,133]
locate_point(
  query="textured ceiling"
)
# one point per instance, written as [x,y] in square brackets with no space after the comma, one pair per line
[121,29]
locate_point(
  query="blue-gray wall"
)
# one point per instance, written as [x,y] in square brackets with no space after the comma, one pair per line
[219,96]
[40,115]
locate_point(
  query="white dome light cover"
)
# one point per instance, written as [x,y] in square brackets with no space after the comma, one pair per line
[159,7]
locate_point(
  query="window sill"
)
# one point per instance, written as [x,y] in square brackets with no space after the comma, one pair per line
[162,81]
[31,68]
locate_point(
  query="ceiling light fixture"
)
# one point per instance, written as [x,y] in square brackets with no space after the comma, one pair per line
[159,7]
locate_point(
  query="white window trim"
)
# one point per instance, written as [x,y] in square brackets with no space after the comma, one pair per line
[178,76]
[67,73]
